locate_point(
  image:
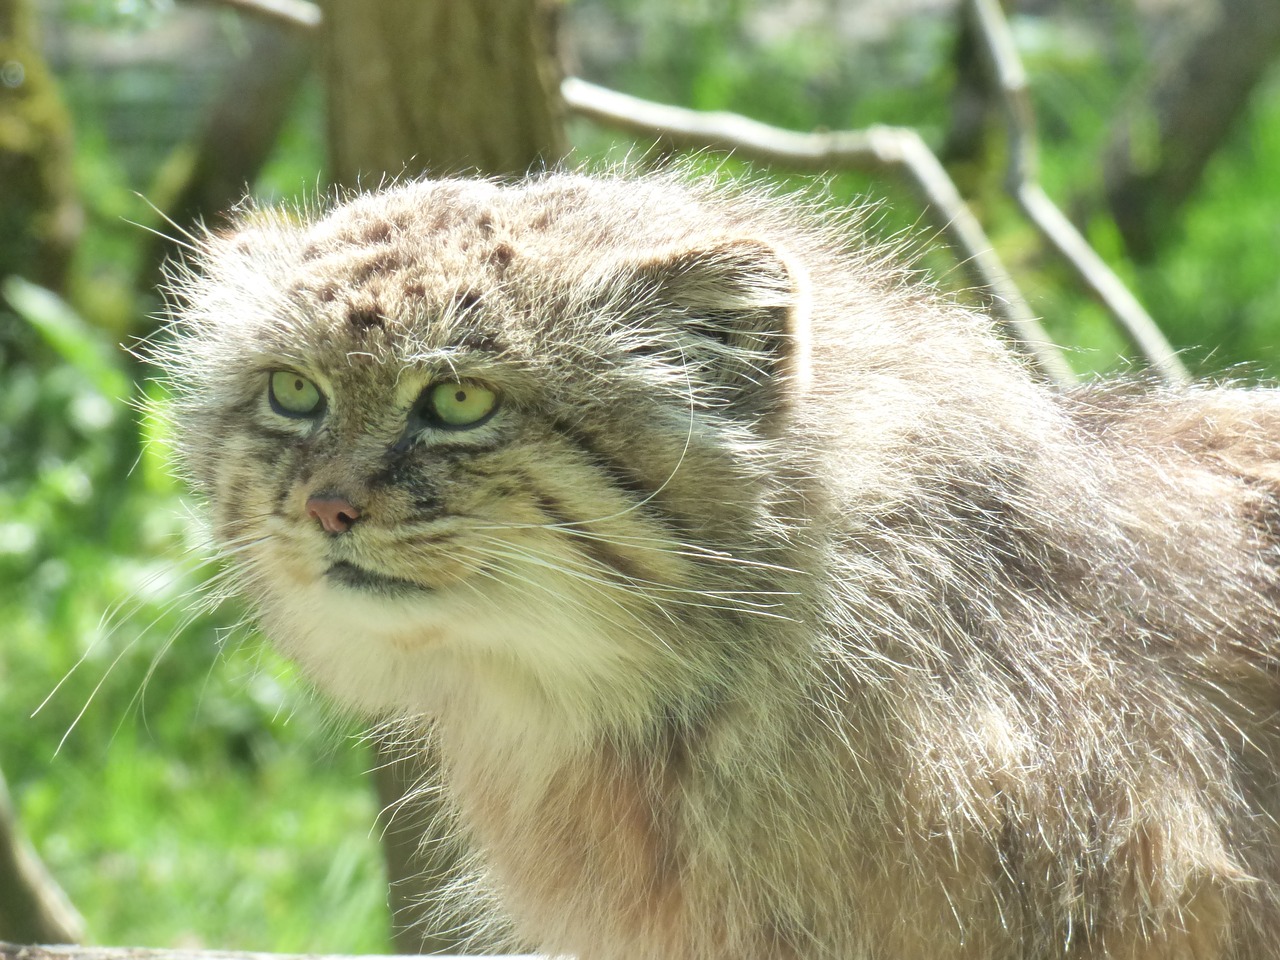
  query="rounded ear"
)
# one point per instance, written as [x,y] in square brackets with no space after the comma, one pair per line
[743,309]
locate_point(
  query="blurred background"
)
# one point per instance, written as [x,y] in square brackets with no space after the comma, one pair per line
[175,779]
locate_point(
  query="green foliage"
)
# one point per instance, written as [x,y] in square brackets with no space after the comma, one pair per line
[1214,291]
[1216,288]
[38,219]
[161,768]
[178,781]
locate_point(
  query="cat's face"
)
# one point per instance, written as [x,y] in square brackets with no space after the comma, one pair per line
[457,424]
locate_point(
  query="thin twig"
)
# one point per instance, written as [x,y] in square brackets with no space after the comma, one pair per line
[878,149]
[294,14]
[1022,181]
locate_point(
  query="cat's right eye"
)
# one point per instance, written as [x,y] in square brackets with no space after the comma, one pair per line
[293,395]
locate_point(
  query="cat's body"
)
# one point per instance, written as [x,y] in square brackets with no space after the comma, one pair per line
[764,606]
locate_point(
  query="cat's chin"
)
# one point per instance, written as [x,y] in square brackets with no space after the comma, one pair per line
[349,576]
[402,650]
[366,639]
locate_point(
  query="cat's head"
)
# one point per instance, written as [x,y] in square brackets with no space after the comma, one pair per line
[533,426]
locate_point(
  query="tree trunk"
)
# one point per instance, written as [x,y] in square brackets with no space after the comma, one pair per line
[1159,149]
[33,909]
[973,103]
[421,858]
[238,136]
[440,87]
[40,218]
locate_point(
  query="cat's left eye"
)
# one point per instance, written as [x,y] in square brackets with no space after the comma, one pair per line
[293,395]
[457,406]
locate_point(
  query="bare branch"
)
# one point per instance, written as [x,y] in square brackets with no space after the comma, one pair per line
[33,907]
[1023,183]
[898,151]
[719,130]
[295,14]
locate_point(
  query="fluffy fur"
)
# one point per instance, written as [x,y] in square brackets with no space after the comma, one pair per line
[777,612]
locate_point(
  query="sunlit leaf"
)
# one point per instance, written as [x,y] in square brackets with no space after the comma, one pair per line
[76,341]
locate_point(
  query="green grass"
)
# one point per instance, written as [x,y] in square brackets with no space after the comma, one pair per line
[178,781]
[201,797]
[168,850]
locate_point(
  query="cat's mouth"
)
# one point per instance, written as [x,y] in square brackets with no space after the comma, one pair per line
[360,578]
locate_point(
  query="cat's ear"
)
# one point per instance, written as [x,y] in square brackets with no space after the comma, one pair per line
[744,315]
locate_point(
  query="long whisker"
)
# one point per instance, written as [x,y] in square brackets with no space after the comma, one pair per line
[671,474]
[513,579]
[190,235]
[653,586]
[655,593]
[162,235]
[577,528]
[118,614]
[124,610]
[661,595]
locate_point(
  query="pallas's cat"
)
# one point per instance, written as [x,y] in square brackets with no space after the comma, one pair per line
[762,604]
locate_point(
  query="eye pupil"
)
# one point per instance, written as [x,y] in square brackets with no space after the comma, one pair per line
[460,396]
[299,385]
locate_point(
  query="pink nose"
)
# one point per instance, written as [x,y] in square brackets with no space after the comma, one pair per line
[336,514]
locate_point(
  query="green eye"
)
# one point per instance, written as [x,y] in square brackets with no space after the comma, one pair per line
[456,405]
[293,395]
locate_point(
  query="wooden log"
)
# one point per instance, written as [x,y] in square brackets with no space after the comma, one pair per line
[10,951]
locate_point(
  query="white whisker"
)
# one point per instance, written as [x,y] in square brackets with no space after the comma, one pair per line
[659,595]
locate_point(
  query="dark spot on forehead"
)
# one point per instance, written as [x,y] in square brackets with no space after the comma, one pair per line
[465,301]
[485,222]
[307,289]
[365,314]
[377,261]
[378,231]
[501,255]
[481,341]
[362,318]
